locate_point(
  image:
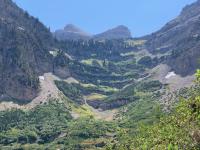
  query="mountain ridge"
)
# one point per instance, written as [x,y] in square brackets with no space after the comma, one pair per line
[180,37]
[72,32]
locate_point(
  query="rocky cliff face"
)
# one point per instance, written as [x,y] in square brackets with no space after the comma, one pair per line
[24,53]
[120,32]
[71,32]
[181,37]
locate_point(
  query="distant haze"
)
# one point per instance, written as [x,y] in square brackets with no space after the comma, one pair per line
[95,16]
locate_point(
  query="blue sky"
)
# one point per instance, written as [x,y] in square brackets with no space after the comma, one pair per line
[94,16]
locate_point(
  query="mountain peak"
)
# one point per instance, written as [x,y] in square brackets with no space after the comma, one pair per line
[75,29]
[119,32]
[71,32]
[71,27]
[121,27]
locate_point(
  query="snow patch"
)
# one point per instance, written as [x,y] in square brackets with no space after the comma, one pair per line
[53,53]
[41,77]
[20,28]
[68,56]
[170,74]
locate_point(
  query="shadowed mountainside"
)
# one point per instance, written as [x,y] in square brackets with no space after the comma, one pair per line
[24,52]
[181,38]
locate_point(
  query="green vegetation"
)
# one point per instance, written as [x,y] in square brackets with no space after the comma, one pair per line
[110,74]
[146,61]
[76,92]
[42,124]
[149,86]
[95,96]
[94,49]
[145,111]
[94,62]
[72,92]
[178,130]
[139,125]
[131,91]
[50,126]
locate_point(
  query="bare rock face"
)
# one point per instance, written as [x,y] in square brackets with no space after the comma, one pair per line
[120,32]
[71,32]
[181,38]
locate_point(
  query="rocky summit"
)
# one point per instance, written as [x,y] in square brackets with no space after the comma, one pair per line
[71,32]
[119,32]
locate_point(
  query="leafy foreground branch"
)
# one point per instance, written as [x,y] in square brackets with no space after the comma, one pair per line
[179,130]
